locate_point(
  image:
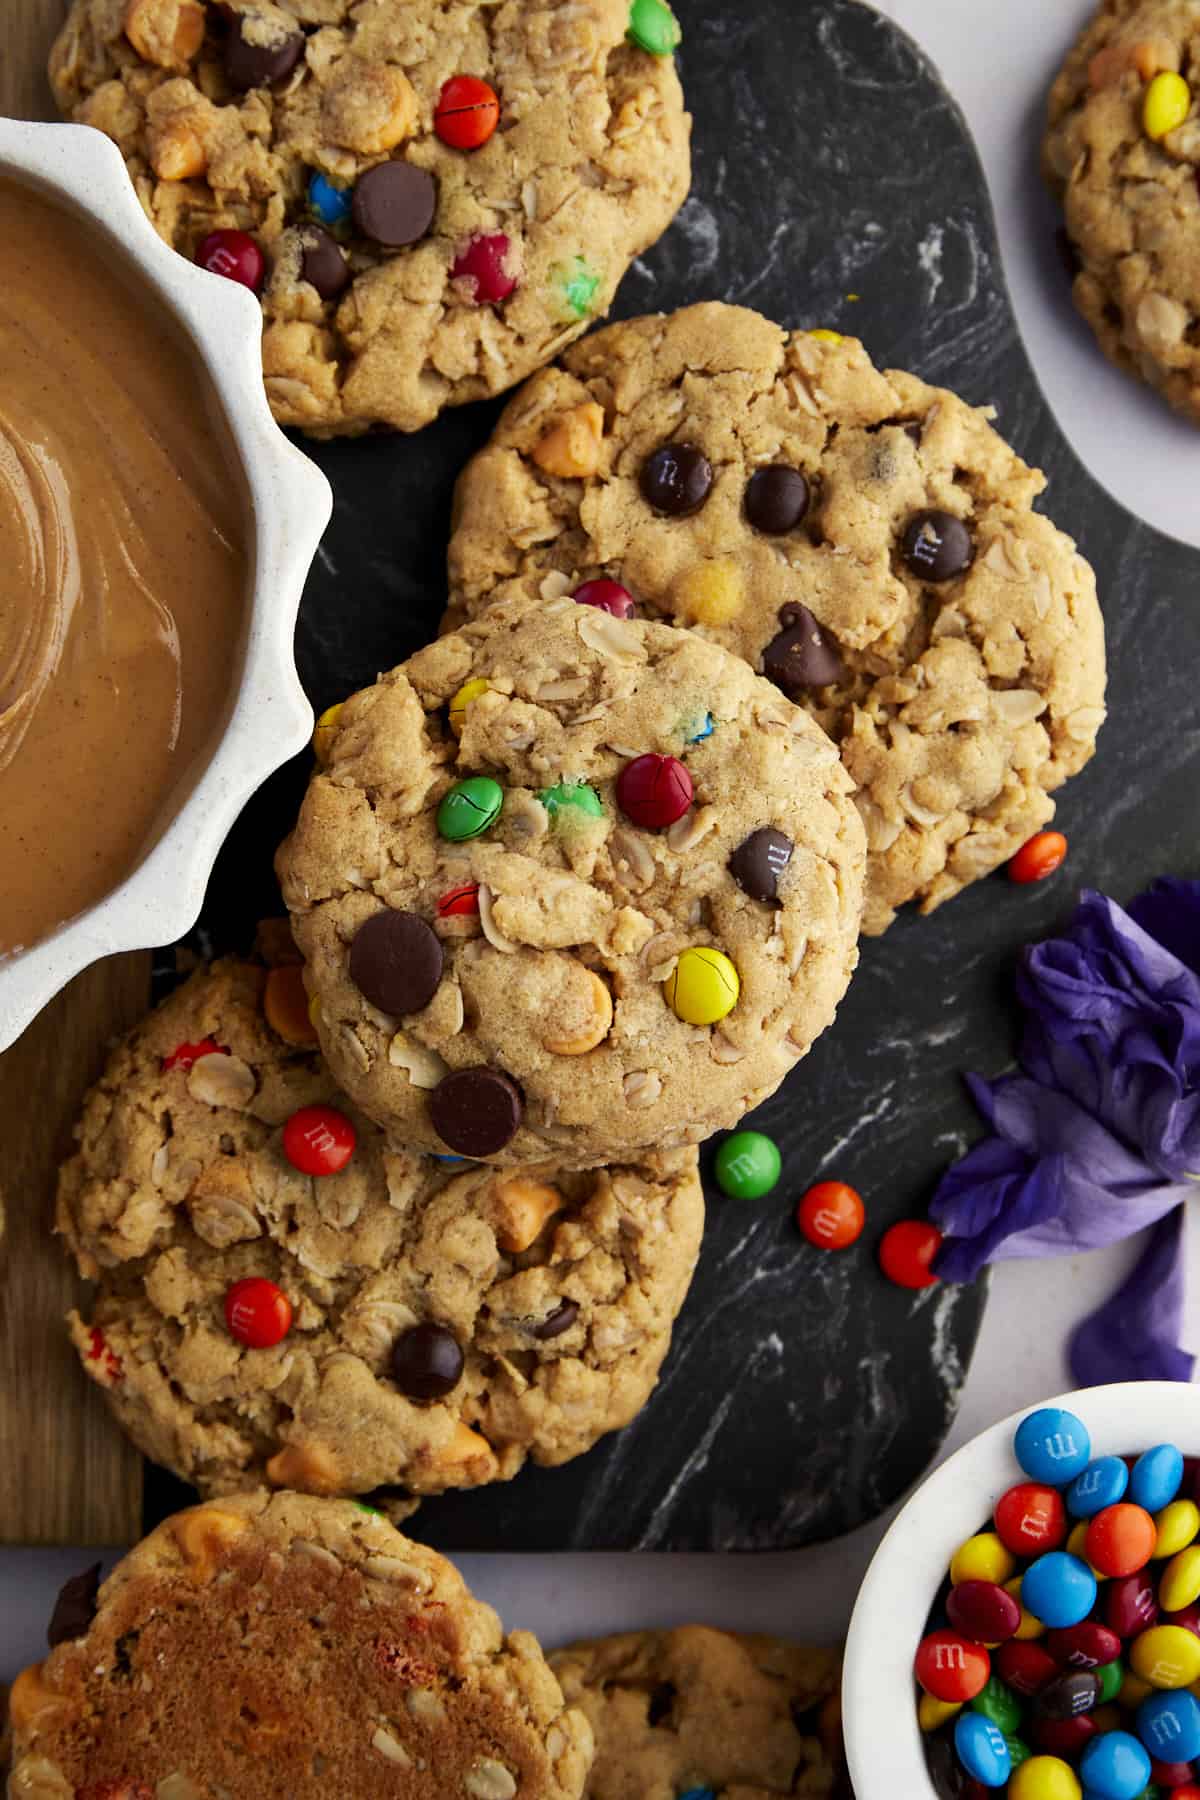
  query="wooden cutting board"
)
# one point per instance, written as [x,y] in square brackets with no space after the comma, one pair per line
[66,1474]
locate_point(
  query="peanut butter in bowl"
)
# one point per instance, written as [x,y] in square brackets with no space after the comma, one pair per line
[124,567]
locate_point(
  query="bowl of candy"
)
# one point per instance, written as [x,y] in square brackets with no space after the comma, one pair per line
[1030,1625]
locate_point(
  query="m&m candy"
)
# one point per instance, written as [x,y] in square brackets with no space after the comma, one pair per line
[982,1750]
[703,987]
[950,1667]
[747,1165]
[257,1313]
[1059,1589]
[1045,1778]
[1120,1540]
[1031,1518]
[983,1612]
[1039,858]
[1156,1476]
[467,112]
[1169,1726]
[831,1215]
[1114,1766]
[235,255]
[906,1252]
[488,268]
[319,1140]
[328,203]
[606,596]
[654,791]
[1052,1445]
[470,808]
[1101,1484]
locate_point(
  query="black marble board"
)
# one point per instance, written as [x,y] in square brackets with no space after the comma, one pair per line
[803,1392]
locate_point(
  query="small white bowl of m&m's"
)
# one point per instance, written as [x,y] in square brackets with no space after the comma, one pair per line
[1030,1625]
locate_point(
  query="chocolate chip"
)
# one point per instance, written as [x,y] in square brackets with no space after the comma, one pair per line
[427,1362]
[661,1702]
[676,480]
[937,546]
[249,65]
[801,657]
[75,1608]
[322,263]
[396,961]
[394,203]
[476,1111]
[776,499]
[560,1320]
[759,861]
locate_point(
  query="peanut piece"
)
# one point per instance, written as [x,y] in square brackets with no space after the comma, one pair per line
[466,1446]
[573,446]
[523,1207]
[597,1028]
[306,1467]
[176,153]
[204,1534]
[371,109]
[285,1006]
[29,1696]
[165,32]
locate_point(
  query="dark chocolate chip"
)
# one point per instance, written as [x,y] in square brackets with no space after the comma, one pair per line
[676,480]
[323,263]
[250,65]
[937,546]
[476,1111]
[801,657]
[427,1362]
[396,961]
[394,203]
[560,1320]
[662,1700]
[75,1608]
[1068,1695]
[776,499]
[759,861]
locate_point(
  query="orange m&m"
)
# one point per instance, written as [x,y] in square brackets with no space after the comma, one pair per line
[467,112]
[1039,858]
[831,1215]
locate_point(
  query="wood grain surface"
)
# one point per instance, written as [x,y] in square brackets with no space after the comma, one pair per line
[66,1474]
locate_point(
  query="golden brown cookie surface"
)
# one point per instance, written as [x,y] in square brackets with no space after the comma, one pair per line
[439,274]
[866,540]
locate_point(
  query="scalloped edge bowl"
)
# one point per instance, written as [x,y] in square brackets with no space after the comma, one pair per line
[289,504]
[879,1709]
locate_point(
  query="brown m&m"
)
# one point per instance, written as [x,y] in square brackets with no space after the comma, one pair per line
[776,499]
[427,1362]
[759,861]
[676,480]
[560,1320]
[258,54]
[396,961]
[937,546]
[322,262]
[394,204]
[801,657]
[476,1111]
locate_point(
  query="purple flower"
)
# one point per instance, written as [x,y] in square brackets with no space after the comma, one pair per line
[1098,1136]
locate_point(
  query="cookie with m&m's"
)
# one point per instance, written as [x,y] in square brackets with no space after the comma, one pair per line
[867,541]
[432,197]
[572,885]
[283,1299]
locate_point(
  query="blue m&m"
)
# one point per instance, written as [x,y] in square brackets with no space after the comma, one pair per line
[328,203]
[1053,1445]
[1058,1589]
[1101,1484]
[1156,1477]
[982,1749]
[1169,1726]
[1114,1766]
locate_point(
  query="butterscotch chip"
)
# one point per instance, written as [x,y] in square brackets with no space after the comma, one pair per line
[226,115]
[865,540]
[322,1654]
[170,1200]
[1127,182]
[702,1709]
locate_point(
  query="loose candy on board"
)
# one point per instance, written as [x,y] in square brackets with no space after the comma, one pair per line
[747,1165]
[831,1215]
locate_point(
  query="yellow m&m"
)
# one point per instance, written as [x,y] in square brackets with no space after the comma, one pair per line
[1044,1778]
[932,1712]
[982,1558]
[1179,1583]
[325,731]
[702,987]
[1167,104]
[470,690]
[1175,1527]
[825,336]
[1166,1656]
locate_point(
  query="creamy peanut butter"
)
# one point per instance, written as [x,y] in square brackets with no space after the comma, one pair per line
[123,567]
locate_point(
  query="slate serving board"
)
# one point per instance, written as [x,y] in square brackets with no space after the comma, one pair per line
[835,185]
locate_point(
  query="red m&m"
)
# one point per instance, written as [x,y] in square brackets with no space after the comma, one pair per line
[487,267]
[235,255]
[607,596]
[654,791]
[467,112]
[318,1140]
[1030,1518]
[184,1055]
[950,1667]
[906,1252]
[983,1612]
[258,1313]
[459,902]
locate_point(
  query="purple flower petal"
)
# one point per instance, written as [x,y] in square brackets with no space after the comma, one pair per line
[1134,1336]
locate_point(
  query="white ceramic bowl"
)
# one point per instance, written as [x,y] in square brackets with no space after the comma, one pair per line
[289,502]
[879,1708]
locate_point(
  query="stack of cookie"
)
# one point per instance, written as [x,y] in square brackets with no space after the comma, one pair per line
[748,645]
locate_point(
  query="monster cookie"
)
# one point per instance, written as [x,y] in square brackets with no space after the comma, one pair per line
[703,1712]
[572,885]
[1122,153]
[286,1647]
[865,540]
[282,1300]
[434,197]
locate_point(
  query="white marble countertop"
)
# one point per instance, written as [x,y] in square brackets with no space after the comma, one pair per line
[985,54]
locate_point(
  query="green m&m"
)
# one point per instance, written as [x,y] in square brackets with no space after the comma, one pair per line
[469,808]
[654,27]
[578,283]
[576,795]
[748,1165]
